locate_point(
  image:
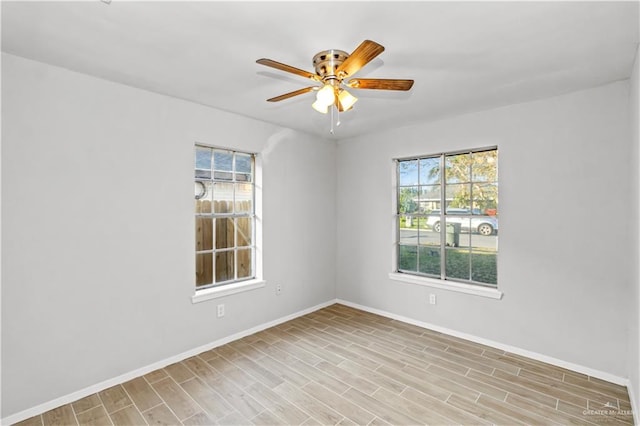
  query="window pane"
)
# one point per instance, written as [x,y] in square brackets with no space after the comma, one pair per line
[457,168]
[223,165]
[204,269]
[429,198]
[429,260]
[223,175]
[457,263]
[408,258]
[429,170]
[243,177]
[408,202]
[408,172]
[224,233]
[484,254]
[203,174]
[244,263]
[485,198]
[457,231]
[485,225]
[223,161]
[484,166]
[243,163]
[223,197]
[484,267]
[225,266]
[203,190]
[458,198]
[204,233]
[203,158]
[427,236]
[244,231]
[244,197]
[408,234]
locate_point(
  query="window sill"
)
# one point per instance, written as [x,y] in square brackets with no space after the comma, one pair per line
[226,290]
[476,290]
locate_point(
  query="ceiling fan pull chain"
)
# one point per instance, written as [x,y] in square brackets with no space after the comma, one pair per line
[331,131]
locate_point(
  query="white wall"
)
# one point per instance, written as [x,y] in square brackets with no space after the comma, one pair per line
[634,295]
[98,242]
[565,264]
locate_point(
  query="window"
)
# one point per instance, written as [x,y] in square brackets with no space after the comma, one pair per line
[225,216]
[460,241]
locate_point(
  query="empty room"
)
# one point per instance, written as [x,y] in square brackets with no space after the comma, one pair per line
[335,213]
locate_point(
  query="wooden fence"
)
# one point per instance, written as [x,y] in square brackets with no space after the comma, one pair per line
[225,238]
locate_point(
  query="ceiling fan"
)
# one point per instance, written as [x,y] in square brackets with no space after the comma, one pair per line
[332,67]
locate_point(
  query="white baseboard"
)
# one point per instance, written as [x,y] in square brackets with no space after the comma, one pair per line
[523,352]
[98,387]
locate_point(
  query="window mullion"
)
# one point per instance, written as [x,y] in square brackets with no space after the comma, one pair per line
[397,214]
[471,207]
[417,217]
[215,249]
[443,224]
[235,218]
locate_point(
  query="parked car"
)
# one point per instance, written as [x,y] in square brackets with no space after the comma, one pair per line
[482,224]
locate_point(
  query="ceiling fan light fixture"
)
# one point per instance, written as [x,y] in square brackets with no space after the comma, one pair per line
[321,108]
[325,96]
[347,99]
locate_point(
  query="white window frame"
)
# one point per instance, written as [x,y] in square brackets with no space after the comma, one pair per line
[454,285]
[245,284]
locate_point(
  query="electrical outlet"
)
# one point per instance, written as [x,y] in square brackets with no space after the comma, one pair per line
[432,299]
[220,311]
[278,289]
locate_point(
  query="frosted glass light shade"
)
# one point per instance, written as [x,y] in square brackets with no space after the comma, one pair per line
[320,107]
[325,95]
[347,99]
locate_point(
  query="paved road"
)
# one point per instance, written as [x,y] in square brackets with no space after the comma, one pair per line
[428,237]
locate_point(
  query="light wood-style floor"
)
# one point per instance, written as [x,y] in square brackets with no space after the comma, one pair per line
[342,366]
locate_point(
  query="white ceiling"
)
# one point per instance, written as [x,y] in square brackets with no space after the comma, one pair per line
[463,56]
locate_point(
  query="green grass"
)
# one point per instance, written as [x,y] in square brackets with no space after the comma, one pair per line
[479,266]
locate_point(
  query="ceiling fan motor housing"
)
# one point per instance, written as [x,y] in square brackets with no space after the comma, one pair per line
[327,62]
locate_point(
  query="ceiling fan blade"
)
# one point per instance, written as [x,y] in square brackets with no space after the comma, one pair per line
[359,58]
[380,84]
[288,68]
[292,94]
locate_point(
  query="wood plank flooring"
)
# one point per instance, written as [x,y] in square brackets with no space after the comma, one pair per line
[342,366]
